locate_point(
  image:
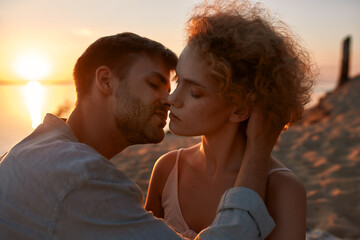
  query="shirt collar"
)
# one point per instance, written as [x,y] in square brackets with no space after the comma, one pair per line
[60,124]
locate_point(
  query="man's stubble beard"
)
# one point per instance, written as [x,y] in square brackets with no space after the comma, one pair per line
[132,118]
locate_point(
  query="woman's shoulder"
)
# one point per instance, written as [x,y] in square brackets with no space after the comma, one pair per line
[283,181]
[286,203]
[158,179]
[166,162]
[190,151]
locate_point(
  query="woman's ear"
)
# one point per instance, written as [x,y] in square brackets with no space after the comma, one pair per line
[239,114]
[103,82]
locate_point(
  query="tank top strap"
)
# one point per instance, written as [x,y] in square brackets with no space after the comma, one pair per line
[278,170]
[170,202]
[171,185]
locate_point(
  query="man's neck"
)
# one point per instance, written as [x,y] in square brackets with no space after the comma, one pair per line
[93,129]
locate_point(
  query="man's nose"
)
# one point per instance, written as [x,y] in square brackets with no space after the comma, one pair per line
[165,100]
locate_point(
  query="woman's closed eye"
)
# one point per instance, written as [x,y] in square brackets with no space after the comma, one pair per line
[196,93]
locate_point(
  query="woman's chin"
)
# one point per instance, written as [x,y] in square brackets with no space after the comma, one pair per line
[180,132]
[173,131]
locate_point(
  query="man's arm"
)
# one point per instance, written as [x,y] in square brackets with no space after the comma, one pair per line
[242,214]
[102,209]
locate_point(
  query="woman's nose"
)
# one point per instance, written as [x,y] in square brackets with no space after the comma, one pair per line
[174,98]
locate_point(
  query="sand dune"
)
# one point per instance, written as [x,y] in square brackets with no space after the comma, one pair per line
[323,150]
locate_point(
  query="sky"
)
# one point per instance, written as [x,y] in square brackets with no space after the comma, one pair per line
[58,31]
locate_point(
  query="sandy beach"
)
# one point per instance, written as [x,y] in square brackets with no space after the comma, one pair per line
[323,150]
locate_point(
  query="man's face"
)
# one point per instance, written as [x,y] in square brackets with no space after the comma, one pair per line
[141,101]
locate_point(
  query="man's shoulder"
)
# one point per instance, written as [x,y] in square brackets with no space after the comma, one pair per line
[54,151]
[77,160]
[53,143]
[59,164]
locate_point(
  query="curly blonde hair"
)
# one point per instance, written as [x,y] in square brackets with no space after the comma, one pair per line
[255,58]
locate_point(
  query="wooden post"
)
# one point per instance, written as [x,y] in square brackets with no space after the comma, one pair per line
[344,76]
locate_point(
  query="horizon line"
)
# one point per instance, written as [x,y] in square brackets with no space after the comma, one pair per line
[42,82]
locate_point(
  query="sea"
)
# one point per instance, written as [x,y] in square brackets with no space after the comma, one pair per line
[22,108]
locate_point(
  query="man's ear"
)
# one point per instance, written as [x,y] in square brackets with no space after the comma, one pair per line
[239,115]
[103,76]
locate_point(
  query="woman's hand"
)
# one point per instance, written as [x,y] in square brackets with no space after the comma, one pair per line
[262,135]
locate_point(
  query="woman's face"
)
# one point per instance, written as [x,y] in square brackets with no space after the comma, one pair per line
[197,107]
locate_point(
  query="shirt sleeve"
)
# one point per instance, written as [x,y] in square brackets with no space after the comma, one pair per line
[241,213]
[99,209]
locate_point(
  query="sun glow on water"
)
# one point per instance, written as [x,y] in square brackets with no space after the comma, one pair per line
[34,97]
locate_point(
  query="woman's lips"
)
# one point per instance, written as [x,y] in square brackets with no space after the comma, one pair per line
[174,117]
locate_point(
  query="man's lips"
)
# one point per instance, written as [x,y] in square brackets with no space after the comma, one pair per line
[162,115]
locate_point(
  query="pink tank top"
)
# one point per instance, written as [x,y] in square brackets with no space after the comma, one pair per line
[170,201]
[171,206]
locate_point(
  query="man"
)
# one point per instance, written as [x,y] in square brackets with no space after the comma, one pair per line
[57,183]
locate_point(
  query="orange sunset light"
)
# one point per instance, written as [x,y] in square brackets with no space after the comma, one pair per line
[32,66]
[34,98]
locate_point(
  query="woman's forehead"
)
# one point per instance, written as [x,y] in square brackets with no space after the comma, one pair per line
[190,62]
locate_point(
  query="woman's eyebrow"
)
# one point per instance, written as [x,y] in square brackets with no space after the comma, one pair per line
[192,82]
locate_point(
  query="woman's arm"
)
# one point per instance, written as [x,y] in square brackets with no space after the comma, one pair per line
[286,203]
[159,175]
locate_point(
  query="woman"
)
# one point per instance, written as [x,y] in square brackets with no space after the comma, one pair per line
[236,59]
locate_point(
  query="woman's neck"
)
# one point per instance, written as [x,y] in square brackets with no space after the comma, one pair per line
[223,151]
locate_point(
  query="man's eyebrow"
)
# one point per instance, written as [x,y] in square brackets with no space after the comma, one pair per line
[161,77]
[163,80]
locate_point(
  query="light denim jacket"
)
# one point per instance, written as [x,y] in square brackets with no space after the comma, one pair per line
[54,187]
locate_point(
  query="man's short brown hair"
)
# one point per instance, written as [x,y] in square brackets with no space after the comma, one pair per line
[117,52]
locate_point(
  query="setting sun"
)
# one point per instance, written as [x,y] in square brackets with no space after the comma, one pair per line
[32,66]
